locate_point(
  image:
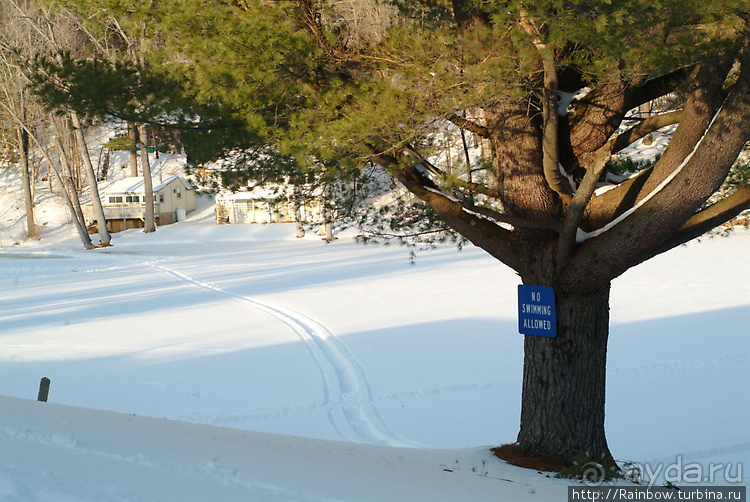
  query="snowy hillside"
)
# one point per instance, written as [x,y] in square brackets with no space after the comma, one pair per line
[291,369]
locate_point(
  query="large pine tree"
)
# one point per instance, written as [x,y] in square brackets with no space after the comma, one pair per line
[375,83]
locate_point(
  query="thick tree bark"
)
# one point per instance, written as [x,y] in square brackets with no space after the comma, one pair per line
[562,404]
[517,162]
[596,117]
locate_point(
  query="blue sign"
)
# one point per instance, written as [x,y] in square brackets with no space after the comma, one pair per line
[536,310]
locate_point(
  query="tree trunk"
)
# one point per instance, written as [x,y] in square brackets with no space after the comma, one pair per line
[74,214]
[23,141]
[296,208]
[71,198]
[562,403]
[96,203]
[133,135]
[148,185]
[327,230]
[69,184]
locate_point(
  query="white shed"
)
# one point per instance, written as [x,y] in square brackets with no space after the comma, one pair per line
[265,205]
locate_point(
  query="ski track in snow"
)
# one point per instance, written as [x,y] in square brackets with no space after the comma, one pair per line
[348,399]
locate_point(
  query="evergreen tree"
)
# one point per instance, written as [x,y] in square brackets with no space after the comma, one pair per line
[307,78]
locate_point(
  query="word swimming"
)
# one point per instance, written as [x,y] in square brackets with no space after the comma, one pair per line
[535,309]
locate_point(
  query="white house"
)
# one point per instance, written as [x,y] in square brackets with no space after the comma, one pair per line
[124,202]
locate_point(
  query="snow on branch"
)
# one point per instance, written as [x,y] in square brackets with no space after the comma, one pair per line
[584,236]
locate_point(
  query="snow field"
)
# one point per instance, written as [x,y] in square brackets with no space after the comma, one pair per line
[292,369]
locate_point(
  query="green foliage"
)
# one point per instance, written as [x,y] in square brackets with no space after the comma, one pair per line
[100,88]
[739,176]
[249,167]
[637,37]
[627,166]
[134,93]
[405,222]
[295,83]
[282,80]
[122,142]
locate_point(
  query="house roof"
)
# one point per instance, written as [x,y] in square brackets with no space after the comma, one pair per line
[267,191]
[136,185]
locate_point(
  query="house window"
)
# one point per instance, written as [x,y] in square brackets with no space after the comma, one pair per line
[132,198]
[115,199]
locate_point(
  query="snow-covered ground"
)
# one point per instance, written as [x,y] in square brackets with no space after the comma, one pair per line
[207,362]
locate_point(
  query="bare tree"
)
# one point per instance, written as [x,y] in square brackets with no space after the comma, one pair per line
[23,152]
[15,98]
[101,219]
[69,195]
[148,185]
[45,30]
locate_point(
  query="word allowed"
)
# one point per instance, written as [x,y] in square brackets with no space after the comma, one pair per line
[536,311]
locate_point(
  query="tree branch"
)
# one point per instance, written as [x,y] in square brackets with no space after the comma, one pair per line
[706,82]
[708,219]
[597,116]
[484,211]
[567,239]
[468,185]
[550,149]
[652,225]
[511,220]
[646,127]
[656,87]
[469,125]
[494,239]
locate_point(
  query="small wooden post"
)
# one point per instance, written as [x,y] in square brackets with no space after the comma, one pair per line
[44,389]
